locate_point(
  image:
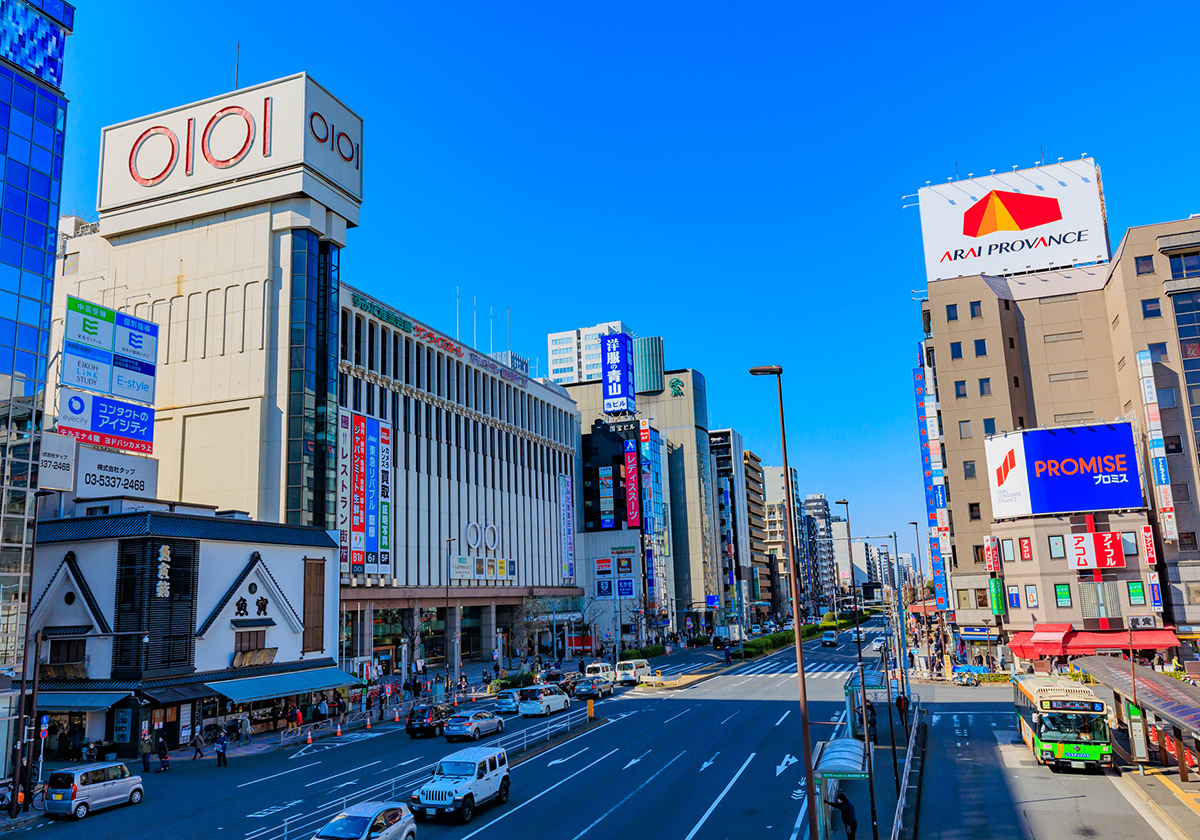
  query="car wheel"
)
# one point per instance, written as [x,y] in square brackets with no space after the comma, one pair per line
[81,810]
[547,711]
[502,796]
[467,810]
[135,797]
[500,726]
[419,815]
[437,730]
[475,734]
[412,735]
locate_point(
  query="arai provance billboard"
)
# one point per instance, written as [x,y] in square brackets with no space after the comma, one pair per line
[1026,220]
[1071,469]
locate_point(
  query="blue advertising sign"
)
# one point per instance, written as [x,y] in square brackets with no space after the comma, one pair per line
[625,588]
[1064,470]
[939,495]
[108,351]
[616,355]
[98,420]
[1162,476]
[712,600]
[940,592]
[1156,596]
[604,588]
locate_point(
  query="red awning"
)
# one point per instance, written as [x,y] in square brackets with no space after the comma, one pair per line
[929,605]
[1087,642]
[1045,640]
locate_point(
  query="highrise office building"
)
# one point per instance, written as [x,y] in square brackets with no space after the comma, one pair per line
[816,507]
[737,574]
[33,118]
[769,600]
[574,355]
[775,499]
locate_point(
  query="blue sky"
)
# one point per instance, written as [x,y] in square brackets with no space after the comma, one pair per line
[728,176]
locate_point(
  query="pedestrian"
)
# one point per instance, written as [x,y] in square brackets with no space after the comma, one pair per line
[1175,663]
[871,722]
[221,746]
[849,819]
[164,756]
[496,669]
[728,656]
[912,659]
[902,708]
[197,745]
[145,748]
[582,666]
[247,729]
[370,704]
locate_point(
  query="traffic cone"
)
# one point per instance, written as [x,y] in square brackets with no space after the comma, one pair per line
[310,736]
[368,720]
[339,731]
[397,714]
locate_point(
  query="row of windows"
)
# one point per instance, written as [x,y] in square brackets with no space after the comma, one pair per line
[989,427]
[563,370]
[978,598]
[562,351]
[956,351]
[560,341]
[975,307]
[1056,543]
[392,354]
[1185,265]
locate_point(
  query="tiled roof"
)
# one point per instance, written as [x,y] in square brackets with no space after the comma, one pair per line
[243,623]
[188,679]
[63,630]
[179,526]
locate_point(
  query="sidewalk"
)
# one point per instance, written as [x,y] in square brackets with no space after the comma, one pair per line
[1173,801]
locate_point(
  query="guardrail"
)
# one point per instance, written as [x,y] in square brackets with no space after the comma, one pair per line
[908,784]
[305,825]
[357,718]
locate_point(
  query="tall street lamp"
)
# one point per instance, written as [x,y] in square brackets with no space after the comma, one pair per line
[849,542]
[446,623]
[924,609]
[809,786]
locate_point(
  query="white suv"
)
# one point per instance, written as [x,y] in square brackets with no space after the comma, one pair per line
[543,700]
[461,782]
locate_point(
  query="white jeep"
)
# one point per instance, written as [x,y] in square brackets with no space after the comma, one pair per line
[461,782]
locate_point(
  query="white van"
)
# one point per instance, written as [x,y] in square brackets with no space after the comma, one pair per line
[602,669]
[631,671]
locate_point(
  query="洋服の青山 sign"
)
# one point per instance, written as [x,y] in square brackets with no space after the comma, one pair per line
[1063,470]
[1016,221]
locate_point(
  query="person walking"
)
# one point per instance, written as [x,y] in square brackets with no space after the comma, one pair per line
[145,748]
[849,818]
[197,745]
[582,666]
[164,756]
[902,708]
[221,746]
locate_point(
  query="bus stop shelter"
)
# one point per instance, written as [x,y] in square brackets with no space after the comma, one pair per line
[834,761]
[878,693]
[1162,700]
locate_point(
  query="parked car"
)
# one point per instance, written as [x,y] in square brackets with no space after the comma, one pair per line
[631,671]
[593,688]
[601,669]
[428,720]
[755,629]
[78,791]
[829,638]
[371,821]
[543,700]
[508,700]
[878,644]
[461,782]
[472,725]
[552,676]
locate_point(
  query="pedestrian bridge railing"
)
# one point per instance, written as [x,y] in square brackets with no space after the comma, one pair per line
[904,824]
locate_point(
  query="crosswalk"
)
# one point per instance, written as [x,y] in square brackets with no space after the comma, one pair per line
[783,665]
[681,668]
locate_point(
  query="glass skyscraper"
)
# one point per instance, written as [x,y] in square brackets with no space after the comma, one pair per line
[33,116]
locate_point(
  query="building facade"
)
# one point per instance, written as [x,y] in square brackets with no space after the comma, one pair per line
[287,392]
[33,123]
[770,599]
[737,571]
[1059,349]
[777,515]
[574,355]
[816,510]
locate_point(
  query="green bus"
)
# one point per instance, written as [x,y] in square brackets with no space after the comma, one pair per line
[1064,723]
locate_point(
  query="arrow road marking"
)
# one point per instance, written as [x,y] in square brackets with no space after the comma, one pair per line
[628,796]
[568,758]
[705,765]
[788,761]
[636,760]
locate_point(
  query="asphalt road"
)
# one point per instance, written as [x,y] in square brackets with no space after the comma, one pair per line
[712,761]
[981,781]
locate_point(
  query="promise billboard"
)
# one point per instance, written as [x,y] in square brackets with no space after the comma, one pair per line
[1063,470]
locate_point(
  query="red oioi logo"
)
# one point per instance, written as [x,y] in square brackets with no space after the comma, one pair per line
[1009,463]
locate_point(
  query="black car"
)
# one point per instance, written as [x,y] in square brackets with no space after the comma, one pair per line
[568,682]
[593,687]
[719,643]
[427,720]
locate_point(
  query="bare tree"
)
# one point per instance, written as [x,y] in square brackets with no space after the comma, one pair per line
[527,620]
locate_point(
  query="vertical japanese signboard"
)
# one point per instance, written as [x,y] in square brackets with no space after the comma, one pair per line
[566,525]
[607,519]
[1147,534]
[933,479]
[616,354]
[996,595]
[344,491]
[385,499]
[1163,498]
[358,494]
[371,483]
[633,496]
[991,553]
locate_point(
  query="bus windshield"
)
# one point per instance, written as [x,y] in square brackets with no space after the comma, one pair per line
[1072,728]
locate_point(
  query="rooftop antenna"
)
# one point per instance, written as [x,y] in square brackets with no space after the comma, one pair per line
[456,313]
[955,170]
[510,329]
[237,65]
[491,312]
[474,321]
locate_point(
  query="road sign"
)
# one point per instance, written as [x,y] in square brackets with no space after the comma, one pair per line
[45,720]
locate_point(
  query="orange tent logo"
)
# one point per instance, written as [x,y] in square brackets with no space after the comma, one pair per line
[999,210]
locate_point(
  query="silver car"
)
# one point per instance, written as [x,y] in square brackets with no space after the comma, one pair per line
[371,821]
[508,700]
[472,725]
[80,790]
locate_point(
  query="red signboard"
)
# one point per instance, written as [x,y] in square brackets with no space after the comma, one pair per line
[358,495]
[1148,546]
[1096,551]
[1026,548]
[633,502]
[991,553]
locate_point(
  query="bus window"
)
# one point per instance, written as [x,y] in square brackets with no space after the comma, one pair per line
[1070,728]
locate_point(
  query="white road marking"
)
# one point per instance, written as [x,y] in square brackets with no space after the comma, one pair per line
[743,682]
[800,820]
[344,773]
[788,761]
[706,764]
[731,717]
[681,714]
[568,758]
[785,714]
[277,775]
[636,760]
[535,798]
[716,801]
[628,797]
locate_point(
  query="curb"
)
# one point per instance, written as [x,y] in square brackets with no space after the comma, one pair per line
[1163,817]
[22,822]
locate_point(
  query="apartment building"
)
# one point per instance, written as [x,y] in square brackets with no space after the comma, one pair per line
[574,355]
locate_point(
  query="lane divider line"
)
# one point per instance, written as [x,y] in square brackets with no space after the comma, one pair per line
[277,775]
[716,801]
[628,797]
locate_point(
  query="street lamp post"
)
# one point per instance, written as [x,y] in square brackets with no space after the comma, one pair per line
[924,612]
[809,786]
[446,624]
[866,728]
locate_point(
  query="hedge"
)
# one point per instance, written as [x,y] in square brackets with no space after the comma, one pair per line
[517,680]
[647,652]
[699,641]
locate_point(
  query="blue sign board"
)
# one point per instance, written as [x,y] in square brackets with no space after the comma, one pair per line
[1162,476]
[712,600]
[94,419]
[604,589]
[939,495]
[625,588]
[1156,596]
[108,352]
[1080,468]
[616,357]
[935,495]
